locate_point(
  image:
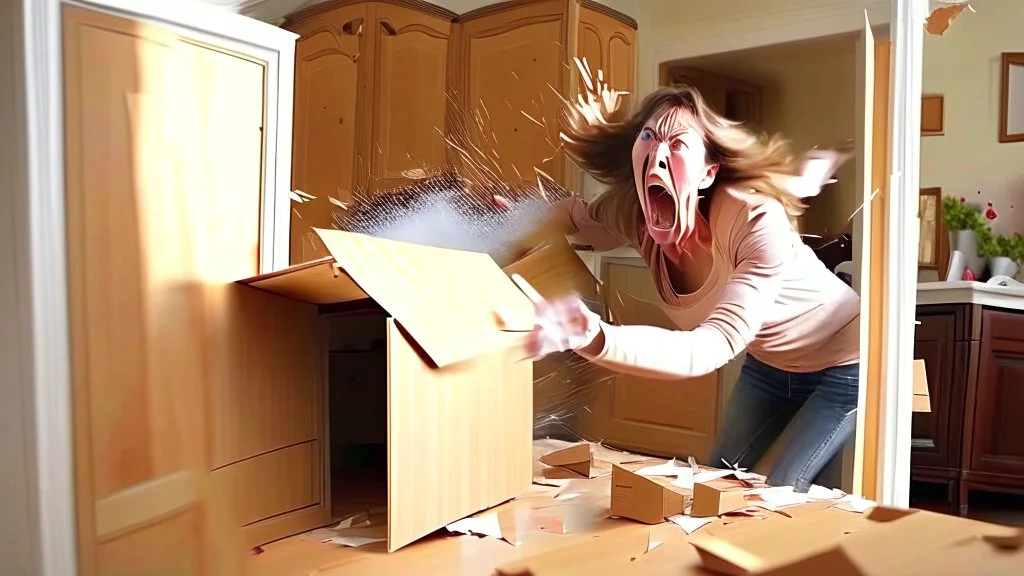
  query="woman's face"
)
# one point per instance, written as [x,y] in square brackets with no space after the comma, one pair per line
[670,167]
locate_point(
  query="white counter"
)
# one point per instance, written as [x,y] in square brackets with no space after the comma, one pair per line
[1009,298]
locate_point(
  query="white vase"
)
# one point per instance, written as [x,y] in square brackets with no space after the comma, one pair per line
[1002,266]
[966,242]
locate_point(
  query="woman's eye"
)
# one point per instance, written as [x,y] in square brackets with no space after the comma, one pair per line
[646,136]
[676,145]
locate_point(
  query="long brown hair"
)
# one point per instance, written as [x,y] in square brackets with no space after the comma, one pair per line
[605,149]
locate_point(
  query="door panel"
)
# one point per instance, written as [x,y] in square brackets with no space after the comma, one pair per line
[140,160]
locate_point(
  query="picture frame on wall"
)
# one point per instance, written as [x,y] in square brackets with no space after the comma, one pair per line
[933,248]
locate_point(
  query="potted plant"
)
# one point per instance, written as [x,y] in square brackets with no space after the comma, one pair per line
[964,225]
[1004,253]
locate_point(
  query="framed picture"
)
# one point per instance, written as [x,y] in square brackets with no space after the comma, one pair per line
[933,249]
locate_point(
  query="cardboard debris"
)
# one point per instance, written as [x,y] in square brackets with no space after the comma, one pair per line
[647,499]
[939,21]
[922,398]
[886,541]
[572,462]
[723,495]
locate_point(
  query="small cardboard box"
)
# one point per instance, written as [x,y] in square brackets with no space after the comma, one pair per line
[885,541]
[647,499]
[571,462]
[458,411]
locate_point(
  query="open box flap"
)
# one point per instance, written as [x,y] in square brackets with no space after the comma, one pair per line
[316,282]
[457,305]
[555,270]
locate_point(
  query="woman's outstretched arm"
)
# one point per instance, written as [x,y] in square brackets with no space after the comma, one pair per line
[763,245]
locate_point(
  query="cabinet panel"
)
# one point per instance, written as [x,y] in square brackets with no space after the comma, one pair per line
[409,98]
[997,431]
[514,62]
[327,160]
[609,44]
[933,343]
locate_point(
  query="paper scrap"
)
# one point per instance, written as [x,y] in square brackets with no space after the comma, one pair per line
[783,497]
[354,521]
[352,541]
[652,543]
[684,480]
[669,468]
[709,475]
[821,493]
[486,525]
[689,524]
[939,21]
[857,504]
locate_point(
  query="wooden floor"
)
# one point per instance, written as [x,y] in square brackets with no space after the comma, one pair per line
[555,531]
[539,522]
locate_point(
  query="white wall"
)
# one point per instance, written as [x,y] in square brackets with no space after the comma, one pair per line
[963,66]
[19,526]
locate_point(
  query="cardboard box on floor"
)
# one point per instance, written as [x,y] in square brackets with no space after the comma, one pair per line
[885,541]
[647,499]
[459,399]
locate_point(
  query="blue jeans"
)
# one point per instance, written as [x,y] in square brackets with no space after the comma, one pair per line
[812,415]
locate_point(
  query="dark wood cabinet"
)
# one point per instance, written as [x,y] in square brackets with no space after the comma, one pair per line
[974,437]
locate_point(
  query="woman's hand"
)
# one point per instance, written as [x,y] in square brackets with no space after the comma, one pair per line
[562,324]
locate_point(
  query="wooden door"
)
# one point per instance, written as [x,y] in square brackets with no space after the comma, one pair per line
[331,133]
[662,417]
[146,503]
[861,465]
[513,63]
[177,371]
[410,56]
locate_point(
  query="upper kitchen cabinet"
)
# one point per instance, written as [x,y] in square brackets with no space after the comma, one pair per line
[513,68]
[370,105]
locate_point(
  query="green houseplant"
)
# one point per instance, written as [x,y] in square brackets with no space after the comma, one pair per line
[1004,253]
[964,224]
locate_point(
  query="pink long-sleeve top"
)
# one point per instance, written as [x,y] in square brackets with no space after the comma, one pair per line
[767,293]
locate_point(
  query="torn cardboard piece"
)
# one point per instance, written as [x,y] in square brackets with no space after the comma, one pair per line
[575,461]
[647,499]
[922,399]
[497,525]
[724,494]
[940,19]
[885,541]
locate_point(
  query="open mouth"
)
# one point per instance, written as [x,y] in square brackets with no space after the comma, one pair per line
[662,207]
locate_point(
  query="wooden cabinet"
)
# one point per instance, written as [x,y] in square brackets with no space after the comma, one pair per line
[370,105]
[515,68]
[972,439]
[184,432]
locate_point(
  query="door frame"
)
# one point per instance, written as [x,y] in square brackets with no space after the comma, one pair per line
[32,200]
[886,474]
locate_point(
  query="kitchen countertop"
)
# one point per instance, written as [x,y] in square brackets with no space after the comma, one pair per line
[1007,297]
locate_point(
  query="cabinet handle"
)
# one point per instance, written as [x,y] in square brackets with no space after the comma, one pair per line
[353,27]
[388,28]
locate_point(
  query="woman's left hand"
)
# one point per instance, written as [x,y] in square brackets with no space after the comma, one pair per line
[562,324]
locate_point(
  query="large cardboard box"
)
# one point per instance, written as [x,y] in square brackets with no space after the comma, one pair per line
[458,404]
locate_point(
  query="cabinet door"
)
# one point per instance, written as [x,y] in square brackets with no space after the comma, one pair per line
[513,62]
[409,98]
[609,45]
[669,418]
[330,135]
[930,434]
[146,503]
[996,426]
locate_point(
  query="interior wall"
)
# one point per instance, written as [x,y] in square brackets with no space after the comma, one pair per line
[812,103]
[964,67]
[19,526]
